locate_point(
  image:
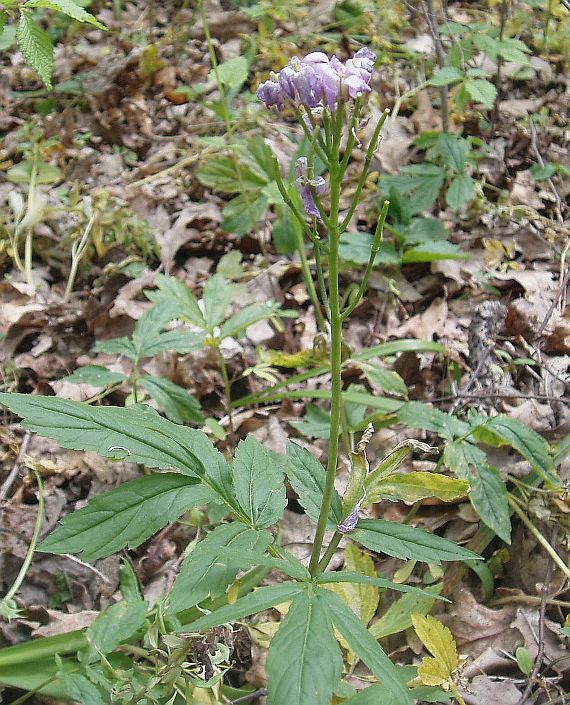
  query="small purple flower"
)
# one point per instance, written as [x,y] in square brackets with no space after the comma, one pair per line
[304,184]
[365,53]
[271,93]
[309,86]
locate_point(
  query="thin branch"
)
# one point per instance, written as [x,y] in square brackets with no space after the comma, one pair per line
[9,481]
[540,160]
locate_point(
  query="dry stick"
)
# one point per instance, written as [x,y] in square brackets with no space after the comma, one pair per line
[498,77]
[542,613]
[498,395]
[250,696]
[429,13]
[9,481]
[540,160]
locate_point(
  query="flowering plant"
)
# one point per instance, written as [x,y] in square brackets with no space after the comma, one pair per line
[305,661]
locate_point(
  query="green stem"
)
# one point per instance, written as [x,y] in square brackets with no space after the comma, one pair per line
[308,279]
[336,344]
[227,386]
[321,280]
[368,159]
[28,249]
[329,553]
[32,547]
[373,252]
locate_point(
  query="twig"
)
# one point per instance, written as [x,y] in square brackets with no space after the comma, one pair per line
[9,481]
[543,599]
[499,395]
[471,380]
[98,573]
[250,696]
[540,160]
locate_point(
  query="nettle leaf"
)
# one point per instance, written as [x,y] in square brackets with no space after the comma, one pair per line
[481,91]
[256,601]
[175,296]
[249,315]
[113,626]
[446,76]
[502,430]
[244,212]
[418,415]
[137,433]
[178,404]
[36,47]
[407,542]
[149,339]
[315,424]
[388,380]
[258,483]
[117,346]
[363,644]
[95,375]
[415,486]
[204,573]
[304,663]
[398,617]
[488,491]
[69,8]
[307,477]
[217,296]
[232,72]
[126,516]
[460,191]
[453,150]
[420,183]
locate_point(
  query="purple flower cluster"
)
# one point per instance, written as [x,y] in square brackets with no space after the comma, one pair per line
[317,80]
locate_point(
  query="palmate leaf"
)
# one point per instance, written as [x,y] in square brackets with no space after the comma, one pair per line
[204,573]
[407,542]
[256,601]
[126,516]
[36,46]
[304,663]
[363,644]
[258,483]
